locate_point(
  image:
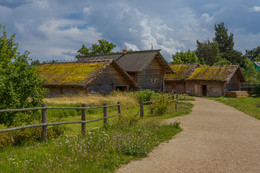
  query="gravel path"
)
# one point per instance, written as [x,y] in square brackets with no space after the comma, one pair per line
[215,138]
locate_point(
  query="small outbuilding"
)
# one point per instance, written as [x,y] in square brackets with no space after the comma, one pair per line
[204,81]
[73,78]
[257,66]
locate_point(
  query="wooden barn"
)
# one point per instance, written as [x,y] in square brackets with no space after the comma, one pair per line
[215,80]
[73,78]
[177,81]
[204,81]
[147,68]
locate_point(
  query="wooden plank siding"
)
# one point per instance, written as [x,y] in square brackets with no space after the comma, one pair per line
[151,77]
[109,80]
[213,88]
[234,83]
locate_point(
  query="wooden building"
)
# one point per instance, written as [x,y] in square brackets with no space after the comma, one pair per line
[73,78]
[147,68]
[177,81]
[208,80]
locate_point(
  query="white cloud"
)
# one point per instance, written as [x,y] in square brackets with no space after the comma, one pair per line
[130,46]
[255,8]
[87,10]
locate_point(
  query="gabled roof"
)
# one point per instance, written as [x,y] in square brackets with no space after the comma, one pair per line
[78,73]
[217,73]
[135,61]
[180,72]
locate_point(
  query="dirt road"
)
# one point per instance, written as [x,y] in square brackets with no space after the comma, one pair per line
[215,138]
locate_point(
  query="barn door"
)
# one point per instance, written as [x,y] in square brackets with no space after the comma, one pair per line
[204,90]
[197,90]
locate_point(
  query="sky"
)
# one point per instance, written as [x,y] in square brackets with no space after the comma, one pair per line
[56,29]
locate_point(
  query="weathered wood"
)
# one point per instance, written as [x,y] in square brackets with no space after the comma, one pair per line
[83,118]
[105,113]
[141,109]
[119,109]
[44,120]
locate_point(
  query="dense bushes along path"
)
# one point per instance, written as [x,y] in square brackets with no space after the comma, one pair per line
[215,138]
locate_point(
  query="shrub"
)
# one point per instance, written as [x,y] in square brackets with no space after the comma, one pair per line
[146,95]
[256,90]
[161,104]
[27,136]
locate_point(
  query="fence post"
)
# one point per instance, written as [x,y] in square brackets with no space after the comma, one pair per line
[119,109]
[44,120]
[105,113]
[176,104]
[141,109]
[83,118]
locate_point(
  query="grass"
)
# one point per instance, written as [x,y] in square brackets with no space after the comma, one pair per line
[101,150]
[104,148]
[248,105]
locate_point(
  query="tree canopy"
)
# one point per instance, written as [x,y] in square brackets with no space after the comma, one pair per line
[185,58]
[103,47]
[20,84]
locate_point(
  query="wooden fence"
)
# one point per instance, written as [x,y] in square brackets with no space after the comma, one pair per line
[83,120]
[45,124]
[174,97]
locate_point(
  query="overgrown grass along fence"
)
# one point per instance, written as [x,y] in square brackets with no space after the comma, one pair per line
[174,97]
[45,124]
[83,120]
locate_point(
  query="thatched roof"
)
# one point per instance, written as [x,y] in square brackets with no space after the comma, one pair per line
[135,61]
[78,73]
[180,72]
[216,73]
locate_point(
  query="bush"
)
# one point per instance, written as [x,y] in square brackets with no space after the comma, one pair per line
[146,95]
[27,136]
[256,90]
[161,104]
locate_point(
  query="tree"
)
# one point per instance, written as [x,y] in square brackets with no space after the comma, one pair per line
[185,58]
[250,73]
[35,62]
[83,51]
[224,40]
[226,45]
[253,54]
[103,47]
[208,52]
[20,83]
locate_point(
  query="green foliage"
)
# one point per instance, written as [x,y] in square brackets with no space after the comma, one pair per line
[20,83]
[253,54]
[251,75]
[83,51]
[256,90]
[208,52]
[145,95]
[103,47]
[161,104]
[185,58]
[222,62]
[27,136]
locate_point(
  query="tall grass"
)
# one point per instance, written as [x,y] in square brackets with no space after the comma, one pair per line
[101,150]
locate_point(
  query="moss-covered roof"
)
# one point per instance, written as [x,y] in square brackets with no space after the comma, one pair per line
[180,71]
[214,73]
[69,73]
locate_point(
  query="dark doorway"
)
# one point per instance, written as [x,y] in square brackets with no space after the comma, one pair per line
[204,90]
[121,88]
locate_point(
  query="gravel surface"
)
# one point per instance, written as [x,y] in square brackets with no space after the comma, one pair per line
[215,138]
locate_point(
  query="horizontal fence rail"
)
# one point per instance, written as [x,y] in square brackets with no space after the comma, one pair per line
[45,124]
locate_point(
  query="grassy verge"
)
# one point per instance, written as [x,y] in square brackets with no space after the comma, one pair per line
[248,105]
[101,150]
